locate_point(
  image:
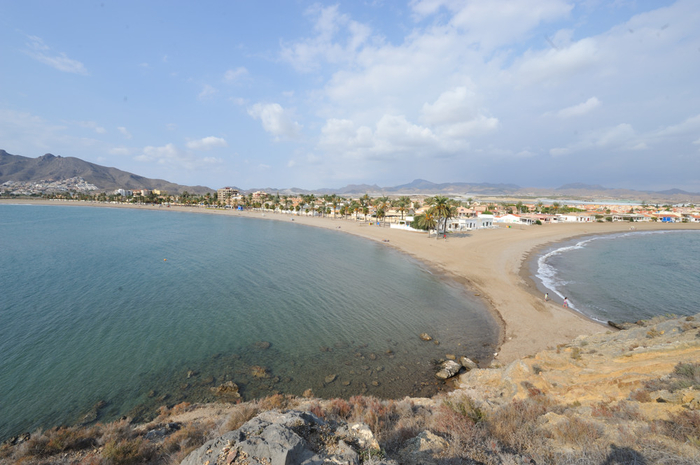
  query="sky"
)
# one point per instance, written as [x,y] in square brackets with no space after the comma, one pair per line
[255,94]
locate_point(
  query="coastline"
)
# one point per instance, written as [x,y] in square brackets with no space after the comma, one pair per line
[493,264]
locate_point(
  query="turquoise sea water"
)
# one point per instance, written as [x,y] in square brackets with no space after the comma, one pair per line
[626,277]
[144,308]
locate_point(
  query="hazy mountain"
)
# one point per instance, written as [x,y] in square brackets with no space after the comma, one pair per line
[54,168]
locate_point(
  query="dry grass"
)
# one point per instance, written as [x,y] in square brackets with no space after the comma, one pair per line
[536,428]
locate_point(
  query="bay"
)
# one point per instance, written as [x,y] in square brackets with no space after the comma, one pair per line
[137,309]
[626,277]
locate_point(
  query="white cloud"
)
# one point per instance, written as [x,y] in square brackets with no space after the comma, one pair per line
[554,66]
[173,157]
[276,120]
[232,75]
[207,91]
[121,151]
[206,143]
[338,39]
[493,24]
[619,137]
[124,132]
[37,49]
[580,109]
[92,125]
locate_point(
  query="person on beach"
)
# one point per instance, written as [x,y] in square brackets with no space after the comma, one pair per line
[546,296]
[566,302]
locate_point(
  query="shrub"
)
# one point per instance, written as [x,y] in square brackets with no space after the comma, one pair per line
[187,439]
[241,413]
[683,426]
[125,452]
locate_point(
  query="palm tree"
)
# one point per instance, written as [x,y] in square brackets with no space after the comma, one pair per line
[443,209]
[403,203]
[425,221]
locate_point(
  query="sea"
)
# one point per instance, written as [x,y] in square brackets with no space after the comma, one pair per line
[624,277]
[111,312]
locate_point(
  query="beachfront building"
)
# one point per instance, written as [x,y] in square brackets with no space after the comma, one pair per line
[576,218]
[226,195]
[509,219]
[467,224]
[634,217]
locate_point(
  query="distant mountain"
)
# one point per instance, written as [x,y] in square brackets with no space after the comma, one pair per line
[55,168]
[581,186]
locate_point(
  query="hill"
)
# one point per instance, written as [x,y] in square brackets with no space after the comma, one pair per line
[55,168]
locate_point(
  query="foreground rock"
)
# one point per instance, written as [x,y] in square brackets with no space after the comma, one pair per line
[293,437]
[611,366]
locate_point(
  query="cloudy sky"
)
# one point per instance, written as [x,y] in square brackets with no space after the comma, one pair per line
[305,94]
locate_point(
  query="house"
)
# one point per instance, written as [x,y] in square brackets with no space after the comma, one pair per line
[576,218]
[509,219]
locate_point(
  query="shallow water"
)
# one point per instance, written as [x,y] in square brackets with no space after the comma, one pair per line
[625,277]
[144,308]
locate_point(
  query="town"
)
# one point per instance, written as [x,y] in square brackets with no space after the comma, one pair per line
[417,212]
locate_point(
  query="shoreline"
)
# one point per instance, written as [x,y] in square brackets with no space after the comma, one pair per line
[492,264]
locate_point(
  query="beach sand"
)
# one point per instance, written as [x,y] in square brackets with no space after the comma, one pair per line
[490,263]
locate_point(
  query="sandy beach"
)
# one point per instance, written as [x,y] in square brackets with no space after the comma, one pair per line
[490,263]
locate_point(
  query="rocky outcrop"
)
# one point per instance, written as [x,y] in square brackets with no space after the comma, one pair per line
[293,437]
[610,366]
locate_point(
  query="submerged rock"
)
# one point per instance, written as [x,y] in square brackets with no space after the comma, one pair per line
[330,378]
[426,337]
[259,372]
[228,389]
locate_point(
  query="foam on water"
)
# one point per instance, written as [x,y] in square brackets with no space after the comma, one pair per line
[615,276]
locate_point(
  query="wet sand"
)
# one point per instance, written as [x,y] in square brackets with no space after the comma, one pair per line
[490,263]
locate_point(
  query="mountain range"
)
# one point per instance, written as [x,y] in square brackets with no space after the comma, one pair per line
[54,168]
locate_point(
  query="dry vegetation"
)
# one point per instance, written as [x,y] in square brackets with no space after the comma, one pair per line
[536,429]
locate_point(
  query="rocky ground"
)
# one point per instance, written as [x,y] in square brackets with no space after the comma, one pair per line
[630,396]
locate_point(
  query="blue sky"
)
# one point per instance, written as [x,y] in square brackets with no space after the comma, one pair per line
[304,94]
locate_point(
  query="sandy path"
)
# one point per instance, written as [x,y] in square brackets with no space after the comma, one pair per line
[487,261]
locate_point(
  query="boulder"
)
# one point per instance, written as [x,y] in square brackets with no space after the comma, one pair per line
[622,326]
[363,436]
[468,363]
[448,369]
[276,438]
[424,449]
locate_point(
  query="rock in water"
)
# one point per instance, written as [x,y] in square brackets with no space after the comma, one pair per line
[426,337]
[330,378]
[448,369]
[468,363]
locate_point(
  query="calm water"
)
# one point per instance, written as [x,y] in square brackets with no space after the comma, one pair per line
[144,308]
[626,277]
